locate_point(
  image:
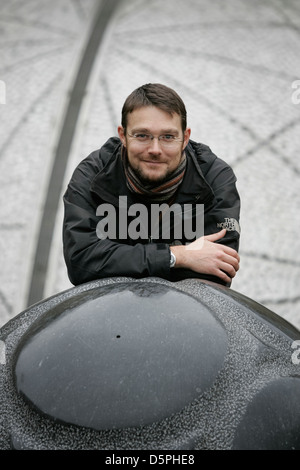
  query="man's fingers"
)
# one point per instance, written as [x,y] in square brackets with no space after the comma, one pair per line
[230,252]
[233,261]
[224,276]
[228,269]
[216,236]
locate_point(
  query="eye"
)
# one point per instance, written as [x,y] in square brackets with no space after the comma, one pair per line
[167,137]
[142,137]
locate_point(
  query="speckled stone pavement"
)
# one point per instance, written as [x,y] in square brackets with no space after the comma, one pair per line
[235,64]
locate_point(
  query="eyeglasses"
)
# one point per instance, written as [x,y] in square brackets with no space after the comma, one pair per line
[165,140]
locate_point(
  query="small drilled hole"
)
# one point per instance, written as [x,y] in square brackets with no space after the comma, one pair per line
[118,336]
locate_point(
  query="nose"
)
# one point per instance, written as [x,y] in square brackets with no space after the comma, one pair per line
[154,146]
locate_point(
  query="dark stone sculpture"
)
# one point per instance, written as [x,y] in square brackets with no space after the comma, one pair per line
[148,364]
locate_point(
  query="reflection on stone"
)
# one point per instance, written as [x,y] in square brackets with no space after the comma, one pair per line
[125,356]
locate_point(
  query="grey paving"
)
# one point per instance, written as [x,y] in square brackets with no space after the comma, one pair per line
[234,63]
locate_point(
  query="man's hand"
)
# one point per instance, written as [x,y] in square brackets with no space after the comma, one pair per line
[205,256]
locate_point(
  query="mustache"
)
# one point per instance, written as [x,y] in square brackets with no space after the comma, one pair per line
[155,159]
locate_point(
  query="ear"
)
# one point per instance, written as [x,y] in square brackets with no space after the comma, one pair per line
[186,137]
[121,133]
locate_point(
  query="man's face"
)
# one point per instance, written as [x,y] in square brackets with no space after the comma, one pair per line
[153,161]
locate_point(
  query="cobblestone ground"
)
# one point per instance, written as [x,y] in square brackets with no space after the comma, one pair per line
[235,64]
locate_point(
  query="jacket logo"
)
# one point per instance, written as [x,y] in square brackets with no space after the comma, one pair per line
[230,224]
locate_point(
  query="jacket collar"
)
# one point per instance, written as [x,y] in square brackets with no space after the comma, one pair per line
[194,187]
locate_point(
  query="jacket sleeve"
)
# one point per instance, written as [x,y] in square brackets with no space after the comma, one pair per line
[89,258]
[224,212]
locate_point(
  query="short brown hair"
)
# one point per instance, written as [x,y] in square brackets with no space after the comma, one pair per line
[154,94]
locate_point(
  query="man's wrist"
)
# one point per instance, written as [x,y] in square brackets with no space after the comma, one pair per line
[172,259]
[179,253]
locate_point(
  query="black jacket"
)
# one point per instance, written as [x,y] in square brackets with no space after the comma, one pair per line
[100,179]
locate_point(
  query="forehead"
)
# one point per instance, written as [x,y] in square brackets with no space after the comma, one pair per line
[153,119]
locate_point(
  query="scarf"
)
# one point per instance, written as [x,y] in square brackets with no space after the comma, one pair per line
[163,192]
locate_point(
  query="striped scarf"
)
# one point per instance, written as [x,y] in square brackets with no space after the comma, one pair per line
[163,192]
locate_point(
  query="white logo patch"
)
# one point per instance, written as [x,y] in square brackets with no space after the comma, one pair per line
[230,224]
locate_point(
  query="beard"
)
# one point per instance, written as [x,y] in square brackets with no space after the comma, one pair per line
[150,181]
[153,181]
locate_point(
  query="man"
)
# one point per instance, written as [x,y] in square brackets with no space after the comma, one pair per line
[115,221]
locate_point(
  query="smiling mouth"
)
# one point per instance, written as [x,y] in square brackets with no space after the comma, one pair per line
[153,162]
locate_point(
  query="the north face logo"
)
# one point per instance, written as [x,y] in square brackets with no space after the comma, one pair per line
[230,224]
